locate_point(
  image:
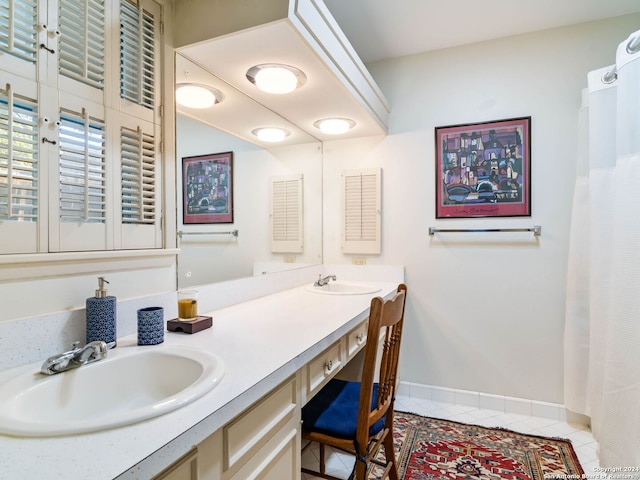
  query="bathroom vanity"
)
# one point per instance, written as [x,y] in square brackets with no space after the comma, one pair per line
[278,351]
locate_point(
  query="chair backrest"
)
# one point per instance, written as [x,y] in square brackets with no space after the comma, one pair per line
[385,318]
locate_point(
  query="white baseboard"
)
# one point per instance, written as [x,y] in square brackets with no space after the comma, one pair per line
[487,401]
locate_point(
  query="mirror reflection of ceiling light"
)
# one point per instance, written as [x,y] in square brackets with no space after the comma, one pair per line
[276,78]
[334,126]
[271,134]
[193,95]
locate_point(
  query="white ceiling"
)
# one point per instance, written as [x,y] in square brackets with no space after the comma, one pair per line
[377,29]
[380,29]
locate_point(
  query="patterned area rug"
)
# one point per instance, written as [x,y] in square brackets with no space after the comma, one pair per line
[433,449]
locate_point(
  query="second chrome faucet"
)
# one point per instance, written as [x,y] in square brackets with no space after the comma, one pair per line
[322,281]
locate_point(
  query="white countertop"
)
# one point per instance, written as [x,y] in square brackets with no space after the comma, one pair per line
[262,342]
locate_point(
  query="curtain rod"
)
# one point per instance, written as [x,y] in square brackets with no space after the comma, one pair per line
[232,232]
[536,229]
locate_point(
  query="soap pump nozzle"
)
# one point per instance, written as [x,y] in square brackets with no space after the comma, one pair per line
[102,291]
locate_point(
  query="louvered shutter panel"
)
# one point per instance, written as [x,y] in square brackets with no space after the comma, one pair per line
[137,55]
[20,181]
[82,168]
[361,211]
[138,207]
[81,45]
[81,222]
[18,158]
[287,214]
[18,28]
[19,21]
[138,177]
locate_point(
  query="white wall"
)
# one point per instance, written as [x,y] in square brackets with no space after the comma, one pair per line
[485,311]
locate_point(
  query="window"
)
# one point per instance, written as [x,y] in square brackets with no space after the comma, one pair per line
[138,177]
[80,90]
[82,168]
[137,55]
[81,27]
[18,158]
[18,35]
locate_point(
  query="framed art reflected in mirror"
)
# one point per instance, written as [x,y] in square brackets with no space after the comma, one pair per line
[207,188]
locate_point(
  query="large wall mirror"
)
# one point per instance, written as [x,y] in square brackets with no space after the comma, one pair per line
[210,252]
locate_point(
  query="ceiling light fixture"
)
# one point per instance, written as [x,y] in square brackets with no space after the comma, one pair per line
[271,134]
[334,126]
[194,95]
[276,78]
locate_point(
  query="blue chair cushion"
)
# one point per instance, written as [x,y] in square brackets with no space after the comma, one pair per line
[334,410]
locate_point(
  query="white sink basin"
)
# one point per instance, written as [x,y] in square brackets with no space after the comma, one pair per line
[344,288]
[127,387]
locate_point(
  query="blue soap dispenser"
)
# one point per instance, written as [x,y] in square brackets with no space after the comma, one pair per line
[101,316]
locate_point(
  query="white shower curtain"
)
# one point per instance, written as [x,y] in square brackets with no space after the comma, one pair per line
[602,322]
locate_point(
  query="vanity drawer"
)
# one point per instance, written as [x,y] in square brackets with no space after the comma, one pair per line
[356,339]
[322,368]
[245,435]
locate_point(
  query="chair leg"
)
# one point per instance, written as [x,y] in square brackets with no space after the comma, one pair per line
[322,459]
[361,471]
[390,455]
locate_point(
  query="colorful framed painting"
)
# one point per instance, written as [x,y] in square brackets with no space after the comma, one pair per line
[207,186]
[484,169]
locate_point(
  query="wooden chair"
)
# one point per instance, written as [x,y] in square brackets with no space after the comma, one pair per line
[357,417]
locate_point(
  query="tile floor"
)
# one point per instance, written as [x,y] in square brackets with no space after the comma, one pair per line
[340,464]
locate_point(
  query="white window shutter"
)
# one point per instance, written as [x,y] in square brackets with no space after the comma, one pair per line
[287,214]
[140,186]
[81,45]
[18,28]
[361,211]
[82,182]
[19,172]
[137,55]
[82,168]
[138,177]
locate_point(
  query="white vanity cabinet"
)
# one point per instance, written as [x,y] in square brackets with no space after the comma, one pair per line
[185,468]
[263,442]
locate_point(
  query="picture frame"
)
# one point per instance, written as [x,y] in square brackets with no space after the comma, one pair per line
[484,169]
[207,188]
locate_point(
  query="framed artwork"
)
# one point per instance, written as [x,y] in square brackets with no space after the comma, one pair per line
[484,169]
[207,188]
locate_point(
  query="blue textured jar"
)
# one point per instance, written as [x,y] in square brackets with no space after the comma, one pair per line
[101,316]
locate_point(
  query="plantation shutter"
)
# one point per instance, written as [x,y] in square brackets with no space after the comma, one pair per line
[19,36]
[82,168]
[138,177]
[137,55]
[361,211]
[81,46]
[138,207]
[19,172]
[286,214]
[82,192]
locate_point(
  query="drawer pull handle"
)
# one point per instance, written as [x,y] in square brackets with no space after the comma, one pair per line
[329,365]
[360,337]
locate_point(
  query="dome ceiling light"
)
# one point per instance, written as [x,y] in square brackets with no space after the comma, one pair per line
[334,126]
[271,134]
[194,95]
[276,78]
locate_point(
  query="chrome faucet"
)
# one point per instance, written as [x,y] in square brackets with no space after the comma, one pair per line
[321,282]
[74,358]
